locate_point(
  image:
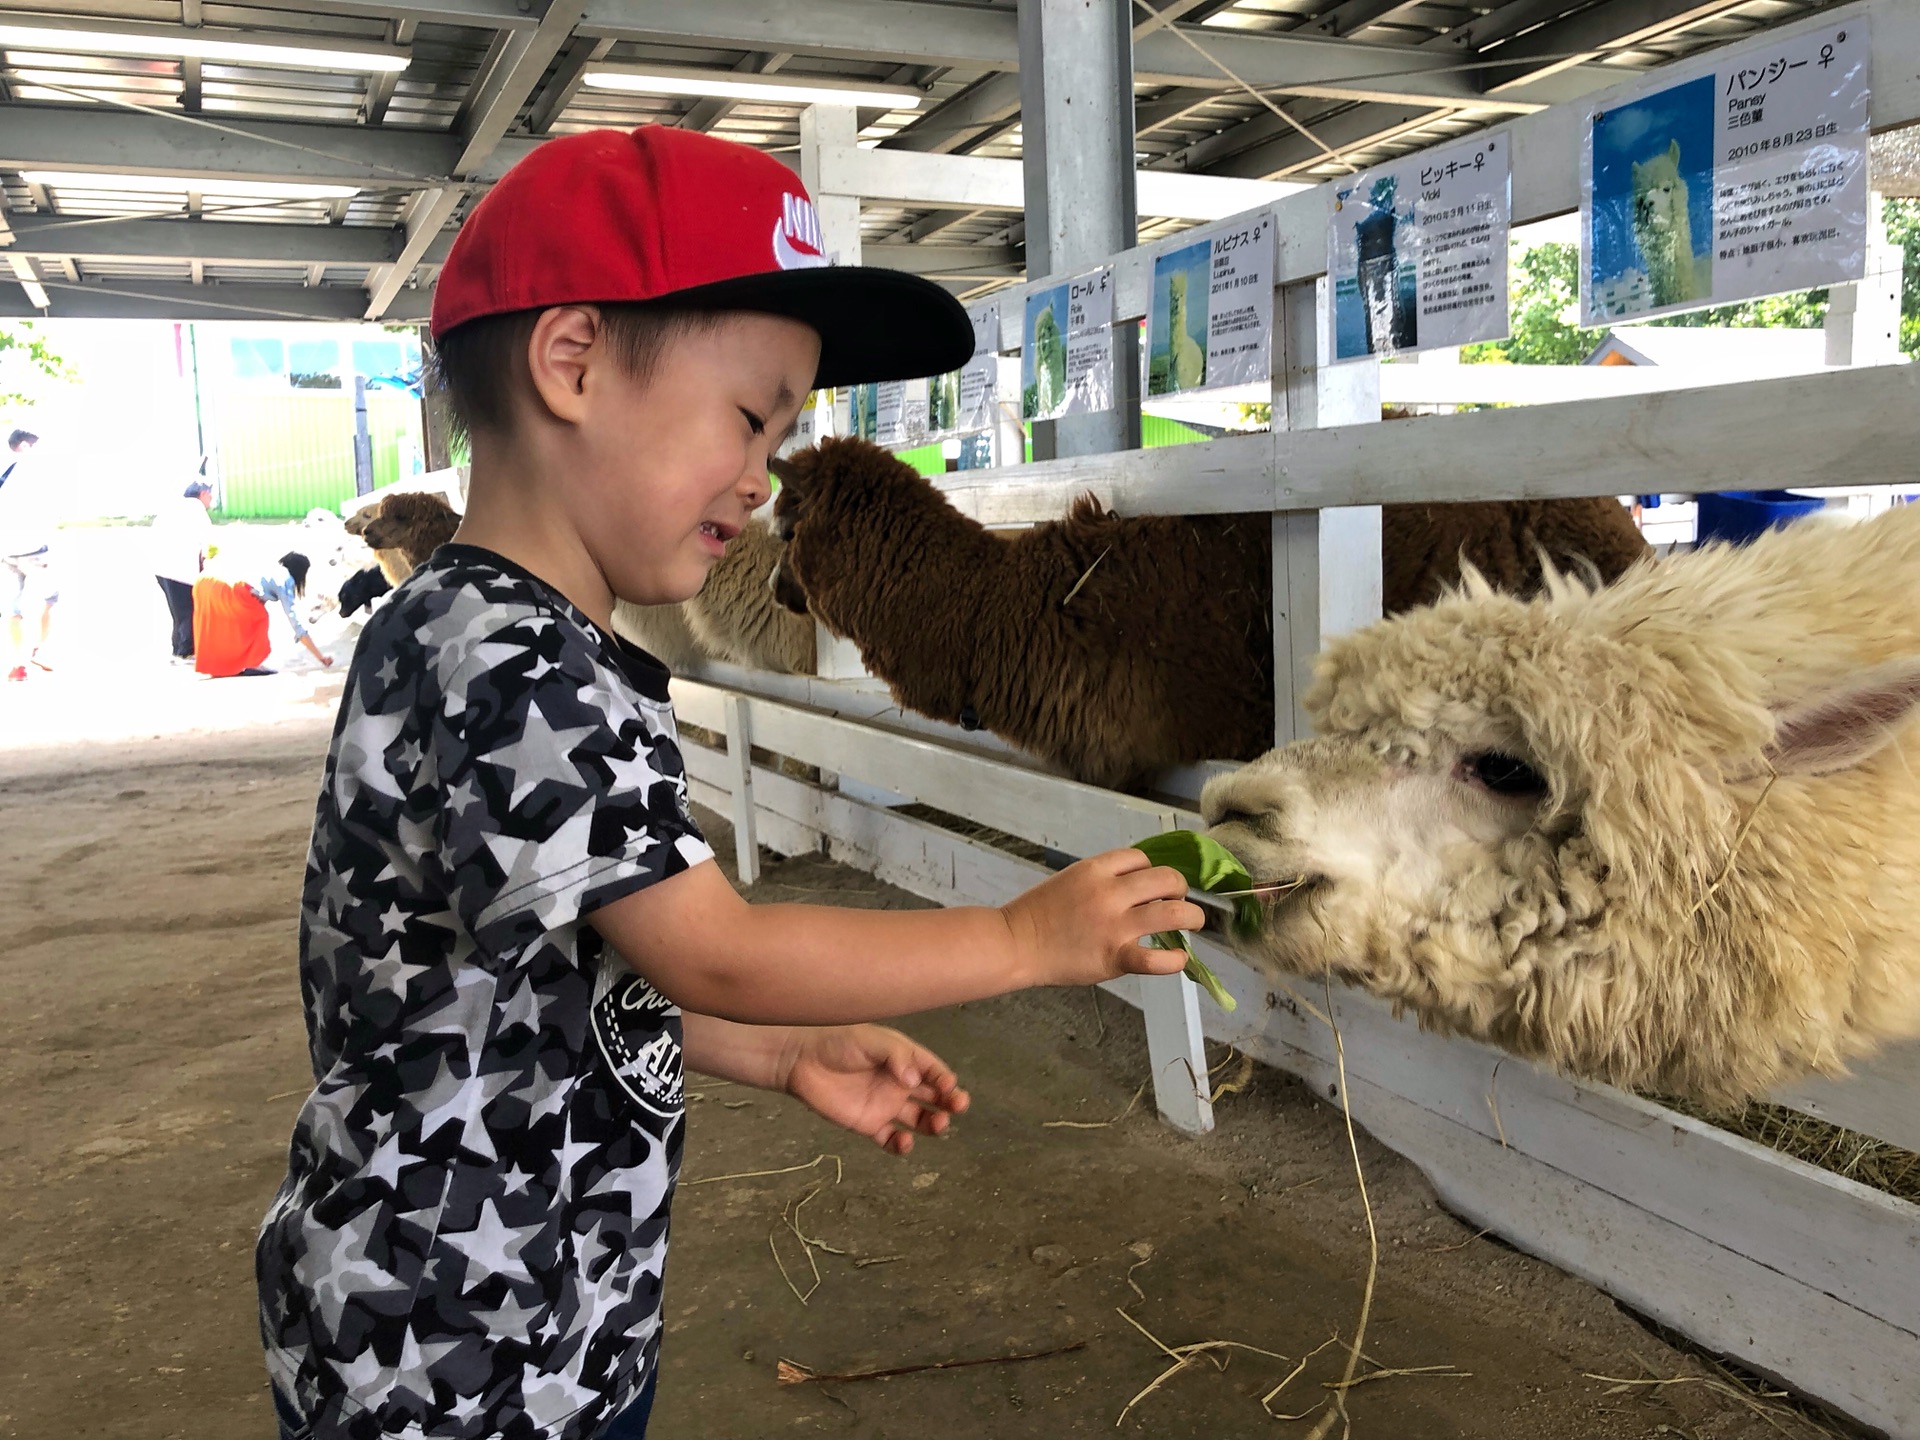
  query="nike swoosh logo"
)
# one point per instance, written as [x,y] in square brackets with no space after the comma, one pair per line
[788,258]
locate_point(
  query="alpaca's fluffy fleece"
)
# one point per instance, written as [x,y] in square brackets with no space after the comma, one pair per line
[734,617]
[1719,889]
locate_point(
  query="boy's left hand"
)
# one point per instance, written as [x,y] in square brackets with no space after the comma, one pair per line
[875,1082]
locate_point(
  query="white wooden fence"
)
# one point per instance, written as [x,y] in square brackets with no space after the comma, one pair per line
[1782,1266]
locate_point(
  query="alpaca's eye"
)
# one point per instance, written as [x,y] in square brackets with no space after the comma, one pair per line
[1238,817]
[1504,775]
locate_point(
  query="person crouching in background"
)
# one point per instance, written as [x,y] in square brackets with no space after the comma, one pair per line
[230,619]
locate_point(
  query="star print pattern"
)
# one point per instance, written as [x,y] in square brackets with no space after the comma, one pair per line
[473,1229]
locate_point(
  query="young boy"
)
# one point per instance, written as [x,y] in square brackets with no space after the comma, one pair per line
[512,934]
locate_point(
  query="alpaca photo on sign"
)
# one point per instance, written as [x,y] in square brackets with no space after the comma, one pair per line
[1376,302]
[1043,359]
[1178,358]
[1652,237]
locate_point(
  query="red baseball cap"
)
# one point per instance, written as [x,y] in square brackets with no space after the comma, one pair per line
[665,214]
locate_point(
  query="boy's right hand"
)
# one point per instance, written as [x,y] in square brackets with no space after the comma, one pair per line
[1085,924]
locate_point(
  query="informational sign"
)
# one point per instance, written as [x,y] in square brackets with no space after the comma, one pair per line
[1739,176]
[1066,348]
[1417,251]
[1211,322]
[862,402]
[814,423]
[963,401]
[890,414]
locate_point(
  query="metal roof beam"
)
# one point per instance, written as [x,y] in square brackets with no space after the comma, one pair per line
[218,242]
[986,106]
[512,81]
[953,260]
[1351,15]
[432,209]
[484,14]
[986,38]
[490,109]
[1603,27]
[1355,129]
[179,300]
[568,72]
[77,137]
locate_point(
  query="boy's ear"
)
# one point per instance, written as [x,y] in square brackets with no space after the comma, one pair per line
[559,353]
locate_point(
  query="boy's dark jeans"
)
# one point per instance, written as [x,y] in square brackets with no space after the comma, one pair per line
[629,1424]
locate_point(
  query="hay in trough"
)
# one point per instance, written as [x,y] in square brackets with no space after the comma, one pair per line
[1846,1153]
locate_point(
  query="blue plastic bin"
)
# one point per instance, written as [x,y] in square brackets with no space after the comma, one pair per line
[1740,515]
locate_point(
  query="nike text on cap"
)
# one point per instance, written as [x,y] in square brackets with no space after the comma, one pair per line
[665,214]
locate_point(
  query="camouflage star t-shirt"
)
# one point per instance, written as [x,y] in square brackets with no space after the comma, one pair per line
[471,1234]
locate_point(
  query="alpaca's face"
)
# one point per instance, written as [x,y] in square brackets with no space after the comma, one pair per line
[1525,818]
[1388,848]
[1659,193]
[1504,802]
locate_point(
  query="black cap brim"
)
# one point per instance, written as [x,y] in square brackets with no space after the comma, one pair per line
[874,324]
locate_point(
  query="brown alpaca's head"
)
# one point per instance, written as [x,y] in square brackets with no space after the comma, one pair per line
[787,506]
[824,492]
[412,521]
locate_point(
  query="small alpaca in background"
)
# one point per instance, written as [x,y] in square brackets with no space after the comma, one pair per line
[404,529]
[734,618]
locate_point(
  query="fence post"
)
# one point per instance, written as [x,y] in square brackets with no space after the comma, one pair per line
[746,840]
[1326,563]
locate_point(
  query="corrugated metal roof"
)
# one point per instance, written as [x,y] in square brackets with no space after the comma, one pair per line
[1219,130]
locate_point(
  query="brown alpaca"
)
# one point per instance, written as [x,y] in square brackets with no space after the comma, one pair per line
[1084,641]
[404,529]
[1421,546]
[734,617]
[1112,647]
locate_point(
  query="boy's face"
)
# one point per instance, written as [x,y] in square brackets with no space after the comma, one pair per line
[677,461]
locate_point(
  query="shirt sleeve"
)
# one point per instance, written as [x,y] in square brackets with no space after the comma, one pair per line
[562,790]
[284,593]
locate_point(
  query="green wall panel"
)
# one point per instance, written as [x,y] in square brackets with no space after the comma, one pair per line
[283,455]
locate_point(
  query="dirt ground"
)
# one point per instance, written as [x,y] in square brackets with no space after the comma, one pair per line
[153,1059]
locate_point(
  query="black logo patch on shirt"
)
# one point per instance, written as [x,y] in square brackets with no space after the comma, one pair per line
[638,1032]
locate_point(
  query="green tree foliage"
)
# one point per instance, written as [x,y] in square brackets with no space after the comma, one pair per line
[1545,298]
[28,365]
[1903,228]
[1546,292]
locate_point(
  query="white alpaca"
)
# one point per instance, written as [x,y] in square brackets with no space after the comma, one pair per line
[1665,834]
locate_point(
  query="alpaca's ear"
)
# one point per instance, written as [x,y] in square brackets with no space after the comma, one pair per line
[785,471]
[1846,725]
[1673,151]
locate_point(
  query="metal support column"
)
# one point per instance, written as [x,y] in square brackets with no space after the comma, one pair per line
[1076,109]
[825,127]
[822,128]
[1076,114]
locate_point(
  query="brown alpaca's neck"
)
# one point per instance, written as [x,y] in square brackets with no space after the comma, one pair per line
[911,577]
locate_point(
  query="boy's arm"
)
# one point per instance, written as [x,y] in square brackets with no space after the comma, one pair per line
[710,952]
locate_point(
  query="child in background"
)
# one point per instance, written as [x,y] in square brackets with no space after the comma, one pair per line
[513,937]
